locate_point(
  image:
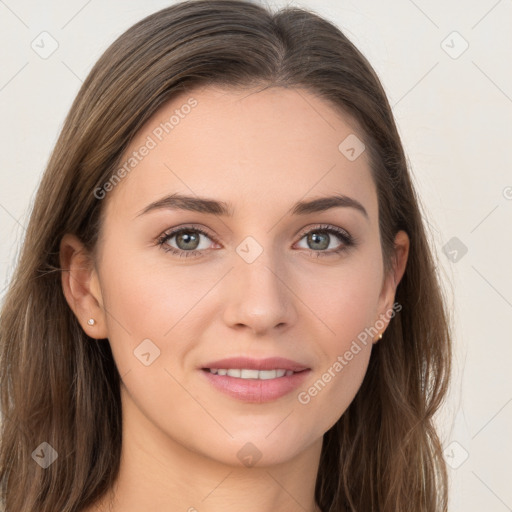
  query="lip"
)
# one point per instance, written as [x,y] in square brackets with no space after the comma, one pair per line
[256,390]
[270,363]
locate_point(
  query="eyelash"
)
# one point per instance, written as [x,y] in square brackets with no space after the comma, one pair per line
[347,239]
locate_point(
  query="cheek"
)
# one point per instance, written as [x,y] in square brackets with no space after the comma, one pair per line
[147,306]
[338,377]
[338,385]
[138,303]
[344,298]
[346,304]
[148,295]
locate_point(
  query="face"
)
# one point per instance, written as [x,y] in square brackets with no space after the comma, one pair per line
[185,284]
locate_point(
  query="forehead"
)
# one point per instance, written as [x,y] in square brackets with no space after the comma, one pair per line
[246,146]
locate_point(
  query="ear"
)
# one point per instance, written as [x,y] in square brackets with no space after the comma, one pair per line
[390,282]
[80,284]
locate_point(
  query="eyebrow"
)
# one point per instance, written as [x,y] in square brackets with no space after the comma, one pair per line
[214,207]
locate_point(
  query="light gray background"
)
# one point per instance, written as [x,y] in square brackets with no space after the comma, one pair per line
[454,114]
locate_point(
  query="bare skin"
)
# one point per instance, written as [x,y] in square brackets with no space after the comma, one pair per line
[261,152]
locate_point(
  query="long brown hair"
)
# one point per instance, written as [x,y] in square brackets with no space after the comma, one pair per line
[60,387]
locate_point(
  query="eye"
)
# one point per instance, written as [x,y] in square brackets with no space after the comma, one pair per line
[188,241]
[320,237]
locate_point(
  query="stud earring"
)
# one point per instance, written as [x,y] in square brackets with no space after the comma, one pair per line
[380,336]
[91,321]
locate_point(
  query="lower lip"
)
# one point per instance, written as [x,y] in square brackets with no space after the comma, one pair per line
[256,390]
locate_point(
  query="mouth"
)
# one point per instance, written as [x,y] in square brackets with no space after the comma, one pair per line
[255,381]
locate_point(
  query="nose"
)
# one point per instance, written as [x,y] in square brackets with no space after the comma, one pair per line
[259,297]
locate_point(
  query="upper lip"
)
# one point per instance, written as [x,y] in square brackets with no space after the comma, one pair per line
[270,363]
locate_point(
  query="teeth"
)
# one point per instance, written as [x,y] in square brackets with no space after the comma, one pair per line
[251,374]
[246,374]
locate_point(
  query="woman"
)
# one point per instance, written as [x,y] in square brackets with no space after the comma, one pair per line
[225,298]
